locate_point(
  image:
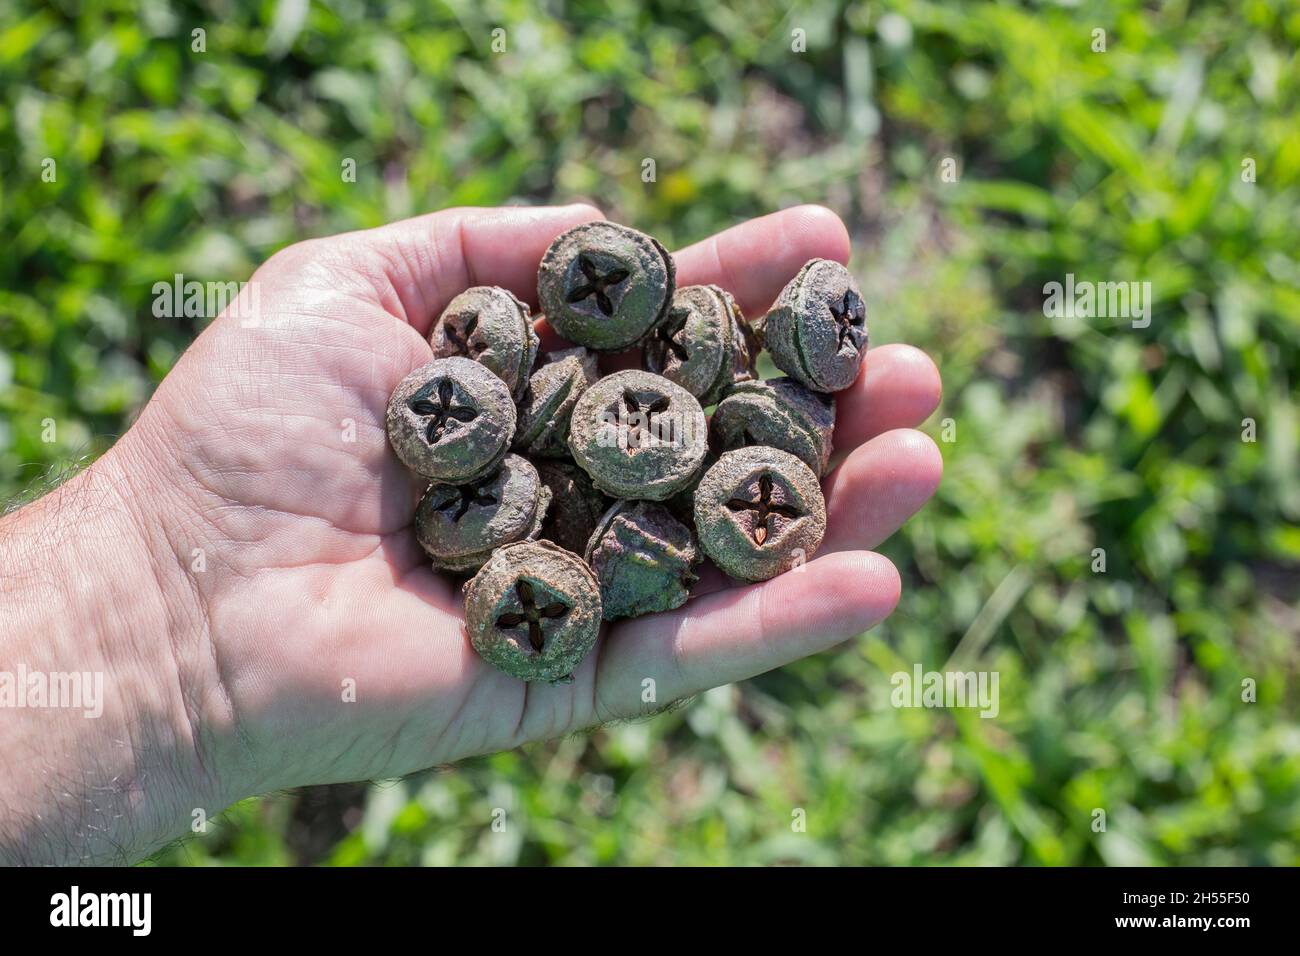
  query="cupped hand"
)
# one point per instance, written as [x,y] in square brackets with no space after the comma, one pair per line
[313,642]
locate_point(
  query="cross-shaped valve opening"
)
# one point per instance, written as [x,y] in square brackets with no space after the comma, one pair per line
[533,615]
[462,339]
[763,509]
[598,283]
[669,333]
[639,416]
[442,412]
[467,496]
[849,314]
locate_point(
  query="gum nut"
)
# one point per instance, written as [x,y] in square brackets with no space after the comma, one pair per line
[638,435]
[758,512]
[533,611]
[451,421]
[817,330]
[458,526]
[605,286]
[704,345]
[492,327]
[779,413]
[576,504]
[644,559]
[544,411]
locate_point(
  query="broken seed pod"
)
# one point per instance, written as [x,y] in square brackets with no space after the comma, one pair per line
[759,511]
[533,611]
[704,345]
[779,413]
[451,420]
[459,525]
[817,330]
[492,327]
[605,286]
[576,504]
[639,435]
[544,411]
[644,559]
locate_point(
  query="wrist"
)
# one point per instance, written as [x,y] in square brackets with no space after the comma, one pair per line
[114,739]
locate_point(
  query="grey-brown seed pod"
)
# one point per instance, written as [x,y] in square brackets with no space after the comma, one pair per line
[451,421]
[639,435]
[605,286]
[644,559]
[576,504]
[704,345]
[780,413]
[491,326]
[542,429]
[459,525]
[817,330]
[758,512]
[533,611]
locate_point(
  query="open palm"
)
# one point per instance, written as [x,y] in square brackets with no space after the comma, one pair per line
[320,645]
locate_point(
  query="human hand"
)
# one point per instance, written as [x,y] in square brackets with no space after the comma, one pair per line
[264,452]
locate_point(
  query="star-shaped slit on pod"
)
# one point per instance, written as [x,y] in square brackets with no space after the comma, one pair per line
[438,403]
[598,282]
[533,616]
[760,509]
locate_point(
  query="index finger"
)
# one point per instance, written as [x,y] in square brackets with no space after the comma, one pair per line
[754,260]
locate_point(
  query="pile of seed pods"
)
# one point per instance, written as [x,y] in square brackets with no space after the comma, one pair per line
[572,497]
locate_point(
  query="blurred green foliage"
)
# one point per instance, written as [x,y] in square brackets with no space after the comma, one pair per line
[1120,690]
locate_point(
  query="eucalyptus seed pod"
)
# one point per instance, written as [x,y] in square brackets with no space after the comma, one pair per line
[451,421]
[779,413]
[459,525]
[491,326]
[576,504]
[533,611]
[605,286]
[644,559]
[544,411]
[704,345]
[759,511]
[817,330]
[639,435]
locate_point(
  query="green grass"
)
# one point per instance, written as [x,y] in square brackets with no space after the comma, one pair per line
[1119,690]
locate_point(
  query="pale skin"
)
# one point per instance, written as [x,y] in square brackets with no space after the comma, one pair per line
[230,681]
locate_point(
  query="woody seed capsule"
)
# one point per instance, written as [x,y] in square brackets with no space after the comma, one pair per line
[817,330]
[759,511]
[533,611]
[491,326]
[638,435]
[704,345]
[451,420]
[459,525]
[644,559]
[779,413]
[605,286]
[547,405]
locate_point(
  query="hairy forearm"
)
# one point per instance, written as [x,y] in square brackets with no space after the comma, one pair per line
[101,755]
